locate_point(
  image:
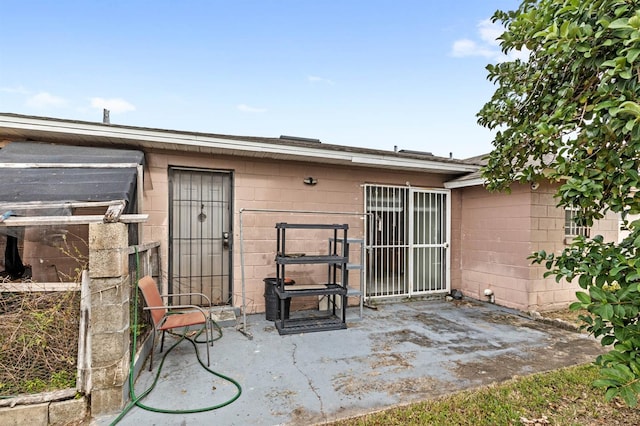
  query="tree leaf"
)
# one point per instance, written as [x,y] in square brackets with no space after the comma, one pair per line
[632,55]
[583,297]
[584,281]
[630,107]
[619,23]
[607,312]
[611,393]
[619,372]
[605,383]
[629,396]
[597,294]
[576,306]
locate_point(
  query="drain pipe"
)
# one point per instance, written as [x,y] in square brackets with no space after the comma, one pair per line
[489,295]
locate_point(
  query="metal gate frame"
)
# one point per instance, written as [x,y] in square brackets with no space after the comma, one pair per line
[227,240]
[390,262]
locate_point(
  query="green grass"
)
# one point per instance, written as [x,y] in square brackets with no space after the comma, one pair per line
[563,397]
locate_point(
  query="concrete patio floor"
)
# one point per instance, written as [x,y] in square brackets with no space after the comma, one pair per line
[397,354]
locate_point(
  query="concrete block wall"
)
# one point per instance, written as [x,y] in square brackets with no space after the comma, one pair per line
[69,412]
[499,231]
[269,184]
[495,234]
[110,291]
[109,337]
[456,238]
[548,226]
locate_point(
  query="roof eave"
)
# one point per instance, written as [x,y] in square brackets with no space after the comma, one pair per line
[77,132]
[465,183]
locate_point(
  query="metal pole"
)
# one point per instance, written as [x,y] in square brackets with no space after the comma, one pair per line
[304,212]
[244,304]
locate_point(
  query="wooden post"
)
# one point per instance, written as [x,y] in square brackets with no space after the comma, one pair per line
[83,382]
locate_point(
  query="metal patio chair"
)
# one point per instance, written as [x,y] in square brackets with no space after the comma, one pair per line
[167,318]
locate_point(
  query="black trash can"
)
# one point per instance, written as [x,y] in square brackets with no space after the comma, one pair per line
[272,301]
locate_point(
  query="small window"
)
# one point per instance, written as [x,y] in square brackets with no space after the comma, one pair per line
[571,227]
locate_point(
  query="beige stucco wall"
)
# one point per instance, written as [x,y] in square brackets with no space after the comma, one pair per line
[268,184]
[498,231]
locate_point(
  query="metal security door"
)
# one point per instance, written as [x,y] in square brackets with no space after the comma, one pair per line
[200,235]
[386,242]
[407,241]
[429,246]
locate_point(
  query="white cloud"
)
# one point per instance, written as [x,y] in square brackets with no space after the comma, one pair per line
[465,47]
[316,79]
[18,89]
[247,108]
[490,31]
[116,105]
[487,45]
[44,100]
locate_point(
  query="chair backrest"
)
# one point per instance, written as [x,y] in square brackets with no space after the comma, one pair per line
[152,298]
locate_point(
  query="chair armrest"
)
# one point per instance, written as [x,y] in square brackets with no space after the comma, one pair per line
[187,294]
[199,308]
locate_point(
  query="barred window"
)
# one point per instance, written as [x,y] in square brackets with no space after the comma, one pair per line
[571,227]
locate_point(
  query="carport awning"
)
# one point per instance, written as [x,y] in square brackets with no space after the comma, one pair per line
[48,173]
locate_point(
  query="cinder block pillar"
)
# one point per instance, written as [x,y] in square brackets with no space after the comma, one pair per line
[110,290]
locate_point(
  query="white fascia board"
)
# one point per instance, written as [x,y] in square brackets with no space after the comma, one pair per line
[156,136]
[176,138]
[68,165]
[465,183]
[388,161]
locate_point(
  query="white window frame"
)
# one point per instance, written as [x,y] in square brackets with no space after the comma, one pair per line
[571,228]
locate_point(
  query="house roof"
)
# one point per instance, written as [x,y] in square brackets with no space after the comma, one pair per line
[54,130]
[470,179]
[475,178]
[34,172]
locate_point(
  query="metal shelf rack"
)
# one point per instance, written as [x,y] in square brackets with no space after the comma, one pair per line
[344,249]
[336,287]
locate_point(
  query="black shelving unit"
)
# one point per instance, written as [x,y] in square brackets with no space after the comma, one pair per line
[335,287]
[340,245]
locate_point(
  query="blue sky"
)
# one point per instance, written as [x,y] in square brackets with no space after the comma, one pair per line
[369,73]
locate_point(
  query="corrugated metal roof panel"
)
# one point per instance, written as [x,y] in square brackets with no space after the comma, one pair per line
[67,184]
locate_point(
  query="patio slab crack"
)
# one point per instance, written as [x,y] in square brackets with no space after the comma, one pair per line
[309,381]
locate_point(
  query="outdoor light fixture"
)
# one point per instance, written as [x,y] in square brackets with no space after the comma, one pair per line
[310,181]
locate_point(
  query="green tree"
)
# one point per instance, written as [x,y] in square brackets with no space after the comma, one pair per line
[570,113]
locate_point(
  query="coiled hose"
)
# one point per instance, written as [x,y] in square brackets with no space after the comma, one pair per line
[136,399]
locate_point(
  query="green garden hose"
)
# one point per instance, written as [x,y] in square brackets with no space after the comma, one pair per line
[136,400]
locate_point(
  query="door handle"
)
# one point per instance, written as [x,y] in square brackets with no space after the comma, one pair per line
[225,239]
